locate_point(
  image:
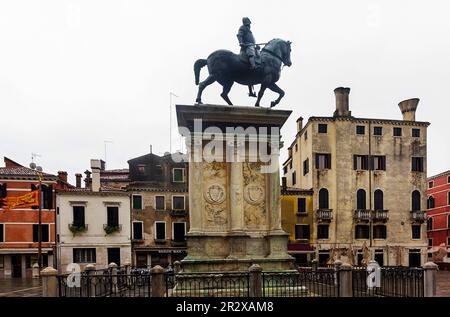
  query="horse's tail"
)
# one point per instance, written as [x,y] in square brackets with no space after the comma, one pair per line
[199,64]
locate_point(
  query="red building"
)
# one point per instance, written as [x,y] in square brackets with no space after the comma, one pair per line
[438,212]
[19,227]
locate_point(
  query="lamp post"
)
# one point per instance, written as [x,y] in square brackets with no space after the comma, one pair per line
[40,175]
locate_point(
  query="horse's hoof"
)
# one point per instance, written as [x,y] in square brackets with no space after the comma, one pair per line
[198,102]
[273,104]
[257,105]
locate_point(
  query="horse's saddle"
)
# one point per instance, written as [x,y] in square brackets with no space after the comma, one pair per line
[244,58]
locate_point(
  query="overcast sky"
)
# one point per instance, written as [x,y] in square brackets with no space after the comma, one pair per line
[76,73]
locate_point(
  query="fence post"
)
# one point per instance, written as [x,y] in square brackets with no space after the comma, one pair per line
[157,280]
[127,268]
[429,282]
[255,282]
[49,282]
[176,267]
[35,270]
[345,280]
[113,271]
[90,272]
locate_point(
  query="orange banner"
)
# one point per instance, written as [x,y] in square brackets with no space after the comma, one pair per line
[26,201]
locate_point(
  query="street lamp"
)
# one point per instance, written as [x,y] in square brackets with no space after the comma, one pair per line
[40,175]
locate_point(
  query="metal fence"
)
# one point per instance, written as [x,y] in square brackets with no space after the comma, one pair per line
[394,282]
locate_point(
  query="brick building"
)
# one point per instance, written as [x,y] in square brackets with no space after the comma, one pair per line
[438,216]
[19,227]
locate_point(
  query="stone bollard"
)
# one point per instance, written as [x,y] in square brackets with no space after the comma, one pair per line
[337,264]
[113,273]
[255,281]
[429,282]
[177,267]
[49,282]
[157,281]
[35,270]
[127,268]
[345,280]
[91,280]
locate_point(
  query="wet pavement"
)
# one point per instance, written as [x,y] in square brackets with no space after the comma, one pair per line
[20,287]
[443,283]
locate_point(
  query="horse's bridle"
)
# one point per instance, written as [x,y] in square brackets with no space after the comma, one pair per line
[274,54]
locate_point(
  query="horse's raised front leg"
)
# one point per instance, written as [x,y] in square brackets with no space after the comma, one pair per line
[278,90]
[226,90]
[260,94]
[208,81]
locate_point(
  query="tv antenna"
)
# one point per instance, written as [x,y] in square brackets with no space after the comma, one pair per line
[170,120]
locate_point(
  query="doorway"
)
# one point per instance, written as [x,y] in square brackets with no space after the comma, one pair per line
[114,256]
[16,264]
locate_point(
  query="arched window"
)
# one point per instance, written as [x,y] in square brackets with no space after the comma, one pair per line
[415,200]
[430,202]
[361,199]
[430,224]
[323,199]
[378,200]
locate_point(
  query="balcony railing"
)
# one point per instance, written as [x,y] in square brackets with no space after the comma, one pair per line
[419,215]
[178,212]
[363,215]
[380,215]
[324,214]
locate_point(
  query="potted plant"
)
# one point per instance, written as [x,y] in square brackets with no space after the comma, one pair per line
[109,229]
[76,228]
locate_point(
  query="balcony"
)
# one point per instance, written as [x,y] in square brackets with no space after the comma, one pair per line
[160,241]
[324,215]
[178,212]
[362,215]
[77,228]
[418,215]
[178,243]
[380,215]
[110,229]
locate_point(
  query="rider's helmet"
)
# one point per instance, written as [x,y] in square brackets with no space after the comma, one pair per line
[246,21]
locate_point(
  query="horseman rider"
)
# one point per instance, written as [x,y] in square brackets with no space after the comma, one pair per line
[248,43]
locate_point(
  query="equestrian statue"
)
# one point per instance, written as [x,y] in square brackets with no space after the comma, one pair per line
[250,67]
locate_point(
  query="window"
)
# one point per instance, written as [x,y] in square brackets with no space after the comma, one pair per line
[294,178]
[361,232]
[429,224]
[3,190]
[415,199]
[306,166]
[137,202]
[47,196]
[448,240]
[112,216]
[448,221]
[179,231]
[415,231]
[178,202]
[78,216]
[360,162]
[285,170]
[379,163]
[378,200]
[324,256]
[414,258]
[160,230]
[379,257]
[323,161]
[323,199]
[2,232]
[360,129]
[306,135]
[430,202]
[2,262]
[322,231]
[430,242]
[301,205]
[84,255]
[417,164]
[296,147]
[379,232]
[397,131]
[448,198]
[160,203]
[359,257]
[301,232]
[378,131]
[361,199]
[141,169]
[448,180]
[430,184]
[323,128]
[138,230]
[114,255]
[415,133]
[178,175]
[290,165]
[45,233]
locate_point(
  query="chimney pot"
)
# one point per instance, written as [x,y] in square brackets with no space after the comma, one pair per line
[62,176]
[342,107]
[78,180]
[96,166]
[299,124]
[408,108]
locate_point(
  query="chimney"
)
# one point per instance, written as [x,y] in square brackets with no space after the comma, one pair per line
[96,166]
[283,183]
[299,124]
[78,180]
[62,176]
[87,180]
[102,165]
[342,108]
[408,108]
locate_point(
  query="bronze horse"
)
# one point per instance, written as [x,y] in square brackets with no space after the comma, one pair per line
[225,67]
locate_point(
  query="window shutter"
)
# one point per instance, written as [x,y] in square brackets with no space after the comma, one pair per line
[355,164]
[35,233]
[317,161]
[45,233]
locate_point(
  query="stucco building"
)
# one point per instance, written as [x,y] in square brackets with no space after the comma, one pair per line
[438,213]
[368,178]
[94,224]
